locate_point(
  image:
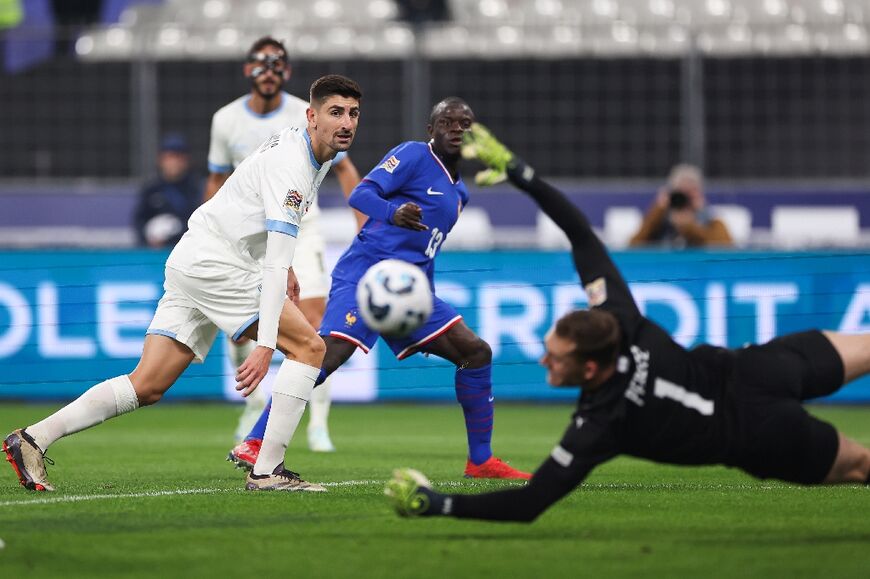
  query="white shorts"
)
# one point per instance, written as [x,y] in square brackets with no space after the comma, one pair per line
[308,261]
[193,309]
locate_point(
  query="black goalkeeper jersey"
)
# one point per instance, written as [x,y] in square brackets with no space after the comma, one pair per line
[669,404]
[664,402]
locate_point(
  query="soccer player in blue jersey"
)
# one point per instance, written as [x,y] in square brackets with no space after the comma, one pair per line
[413,198]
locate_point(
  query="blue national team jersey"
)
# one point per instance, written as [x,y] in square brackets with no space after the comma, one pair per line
[409,172]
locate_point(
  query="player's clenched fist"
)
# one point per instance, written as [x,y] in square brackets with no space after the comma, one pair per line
[409,216]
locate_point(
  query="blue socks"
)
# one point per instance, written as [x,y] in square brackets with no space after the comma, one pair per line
[259,429]
[474,393]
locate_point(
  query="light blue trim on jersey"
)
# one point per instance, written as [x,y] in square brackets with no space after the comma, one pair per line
[341,156]
[214,168]
[311,156]
[282,227]
[166,333]
[245,326]
[284,96]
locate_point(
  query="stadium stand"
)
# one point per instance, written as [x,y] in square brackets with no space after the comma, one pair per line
[620,223]
[548,235]
[499,27]
[780,100]
[798,226]
[738,220]
[473,230]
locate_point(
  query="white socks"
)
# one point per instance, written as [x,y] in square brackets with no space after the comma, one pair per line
[290,393]
[106,400]
[318,410]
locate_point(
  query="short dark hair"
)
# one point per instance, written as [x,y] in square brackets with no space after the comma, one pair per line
[265,41]
[443,104]
[334,84]
[595,333]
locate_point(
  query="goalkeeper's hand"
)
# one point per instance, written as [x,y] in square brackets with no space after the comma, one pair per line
[478,143]
[411,494]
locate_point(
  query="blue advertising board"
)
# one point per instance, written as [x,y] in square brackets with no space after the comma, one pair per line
[69,319]
[724,298]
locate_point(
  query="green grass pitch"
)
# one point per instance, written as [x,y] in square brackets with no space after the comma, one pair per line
[121,508]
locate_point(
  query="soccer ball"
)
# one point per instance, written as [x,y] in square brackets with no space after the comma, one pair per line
[394,298]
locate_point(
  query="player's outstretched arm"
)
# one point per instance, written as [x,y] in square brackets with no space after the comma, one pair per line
[591,257]
[412,495]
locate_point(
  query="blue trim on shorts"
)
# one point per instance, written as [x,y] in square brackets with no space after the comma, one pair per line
[166,333]
[282,227]
[245,326]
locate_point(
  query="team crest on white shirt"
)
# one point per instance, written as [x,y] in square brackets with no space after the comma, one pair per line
[390,164]
[293,200]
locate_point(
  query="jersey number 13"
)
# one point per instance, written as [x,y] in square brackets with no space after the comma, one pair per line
[434,242]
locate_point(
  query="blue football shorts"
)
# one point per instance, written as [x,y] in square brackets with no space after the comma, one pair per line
[342,320]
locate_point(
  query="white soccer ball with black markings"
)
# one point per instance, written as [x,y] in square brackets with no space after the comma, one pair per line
[394,298]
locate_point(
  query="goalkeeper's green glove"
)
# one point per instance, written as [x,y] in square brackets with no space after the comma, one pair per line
[411,494]
[480,144]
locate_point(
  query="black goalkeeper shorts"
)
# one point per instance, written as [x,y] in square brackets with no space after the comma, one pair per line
[776,437]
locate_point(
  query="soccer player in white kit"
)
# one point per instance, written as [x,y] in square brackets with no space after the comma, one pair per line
[231,271]
[237,129]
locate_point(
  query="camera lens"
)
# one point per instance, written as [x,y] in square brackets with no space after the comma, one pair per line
[678,200]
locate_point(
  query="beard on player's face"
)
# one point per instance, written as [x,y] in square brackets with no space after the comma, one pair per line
[335,122]
[268,85]
[340,139]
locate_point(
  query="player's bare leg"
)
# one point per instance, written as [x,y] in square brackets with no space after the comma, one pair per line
[852,464]
[321,400]
[162,362]
[473,359]
[292,388]
[854,350]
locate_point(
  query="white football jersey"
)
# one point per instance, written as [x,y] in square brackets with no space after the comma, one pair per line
[271,190]
[237,131]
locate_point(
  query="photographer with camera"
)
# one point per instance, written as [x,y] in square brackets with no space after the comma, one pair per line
[680,217]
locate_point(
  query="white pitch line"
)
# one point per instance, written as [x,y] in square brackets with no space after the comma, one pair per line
[177,492]
[81,498]
[353,483]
